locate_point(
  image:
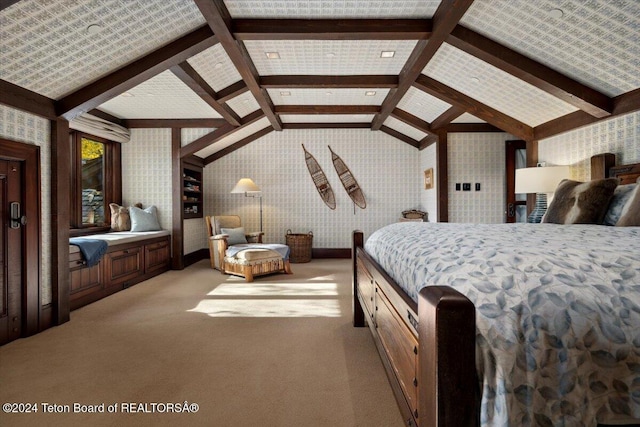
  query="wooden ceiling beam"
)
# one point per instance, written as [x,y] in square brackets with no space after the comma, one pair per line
[472,127]
[445,19]
[484,112]
[327,109]
[222,132]
[189,76]
[428,141]
[622,104]
[411,120]
[23,99]
[331,29]
[326,125]
[235,146]
[217,16]
[108,117]
[230,92]
[538,75]
[402,137]
[173,123]
[306,81]
[447,117]
[6,3]
[131,75]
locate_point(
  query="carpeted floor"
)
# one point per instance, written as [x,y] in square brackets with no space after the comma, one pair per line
[280,351]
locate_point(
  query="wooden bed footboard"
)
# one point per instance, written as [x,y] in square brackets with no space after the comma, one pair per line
[430,361]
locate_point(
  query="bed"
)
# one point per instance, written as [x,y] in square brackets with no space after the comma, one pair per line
[505,324]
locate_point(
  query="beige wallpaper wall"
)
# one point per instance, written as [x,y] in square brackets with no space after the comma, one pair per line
[620,135]
[387,170]
[477,158]
[23,127]
[146,171]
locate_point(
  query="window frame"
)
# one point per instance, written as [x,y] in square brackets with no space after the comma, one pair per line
[112,183]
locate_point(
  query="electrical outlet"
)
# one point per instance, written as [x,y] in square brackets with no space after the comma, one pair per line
[457,186]
[466,186]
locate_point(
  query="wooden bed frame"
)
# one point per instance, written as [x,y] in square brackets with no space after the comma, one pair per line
[428,348]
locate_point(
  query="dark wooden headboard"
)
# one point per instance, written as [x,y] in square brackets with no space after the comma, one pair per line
[602,166]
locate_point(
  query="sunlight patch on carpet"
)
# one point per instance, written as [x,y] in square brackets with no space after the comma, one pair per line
[274,289]
[259,307]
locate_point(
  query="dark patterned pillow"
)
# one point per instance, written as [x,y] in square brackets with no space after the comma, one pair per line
[618,202]
[631,212]
[577,202]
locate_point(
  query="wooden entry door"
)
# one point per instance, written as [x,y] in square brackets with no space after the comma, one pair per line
[11,233]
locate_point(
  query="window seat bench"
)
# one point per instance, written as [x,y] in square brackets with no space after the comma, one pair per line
[130,258]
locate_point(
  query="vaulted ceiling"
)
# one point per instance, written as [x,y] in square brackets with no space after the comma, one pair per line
[238,69]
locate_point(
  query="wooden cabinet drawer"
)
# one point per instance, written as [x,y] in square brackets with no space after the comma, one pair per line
[123,265]
[83,279]
[157,256]
[400,345]
[366,289]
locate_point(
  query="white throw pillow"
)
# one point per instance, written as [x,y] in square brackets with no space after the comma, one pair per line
[236,235]
[144,219]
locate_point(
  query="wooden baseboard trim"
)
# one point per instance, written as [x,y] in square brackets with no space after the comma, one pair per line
[193,257]
[331,253]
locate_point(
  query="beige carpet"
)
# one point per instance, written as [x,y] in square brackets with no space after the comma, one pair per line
[280,351]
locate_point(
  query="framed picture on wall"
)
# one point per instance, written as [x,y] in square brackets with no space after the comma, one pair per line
[428,179]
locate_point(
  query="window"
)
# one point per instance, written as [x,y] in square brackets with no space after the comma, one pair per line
[95,182]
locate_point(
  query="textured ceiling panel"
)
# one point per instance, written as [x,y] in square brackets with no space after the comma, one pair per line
[47,47]
[329,96]
[467,118]
[161,97]
[596,42]
[188,135]
[309,9]
[494,87]
[329,57]
[235,137]
[326,118]
[404,128]
[244,104]
[215,66]
[422,105]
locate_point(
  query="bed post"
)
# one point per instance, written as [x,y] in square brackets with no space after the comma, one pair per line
[358,313]
[448,391]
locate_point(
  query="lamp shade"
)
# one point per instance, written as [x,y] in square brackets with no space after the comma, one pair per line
[246,185]
[540,179]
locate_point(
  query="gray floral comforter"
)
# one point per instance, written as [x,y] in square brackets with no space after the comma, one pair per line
[558,312]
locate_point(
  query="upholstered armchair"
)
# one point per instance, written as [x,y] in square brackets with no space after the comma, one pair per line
[233,251]
[219,240]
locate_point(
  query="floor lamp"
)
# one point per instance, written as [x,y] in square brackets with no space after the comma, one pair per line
[541,181]
[247,186]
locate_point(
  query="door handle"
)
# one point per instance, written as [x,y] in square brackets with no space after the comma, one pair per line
[17,220]
[511,210]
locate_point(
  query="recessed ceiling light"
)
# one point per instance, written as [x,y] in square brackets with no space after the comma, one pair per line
[218,65]
[126,94]
[330,55]
[272,55]
[94,29]
[387,53]
[245,101]
[556,13]
[370,93]
[328,93]
[285,93]
[475,80]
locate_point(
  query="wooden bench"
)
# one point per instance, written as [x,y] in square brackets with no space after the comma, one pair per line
[131,258]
